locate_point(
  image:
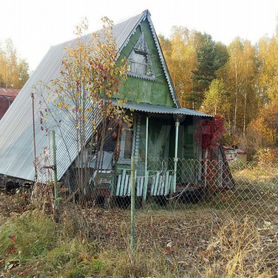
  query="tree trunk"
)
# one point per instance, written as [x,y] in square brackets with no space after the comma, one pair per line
[244,114]
[236,100]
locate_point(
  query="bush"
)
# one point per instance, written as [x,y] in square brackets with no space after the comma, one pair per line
[267,157]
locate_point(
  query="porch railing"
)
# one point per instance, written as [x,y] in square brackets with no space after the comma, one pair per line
[161,180]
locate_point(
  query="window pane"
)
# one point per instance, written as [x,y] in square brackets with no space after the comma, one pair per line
[128,144]
[138,63]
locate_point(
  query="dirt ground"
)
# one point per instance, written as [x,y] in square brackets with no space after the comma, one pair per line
[196,239]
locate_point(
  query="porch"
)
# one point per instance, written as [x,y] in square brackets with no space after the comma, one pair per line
[167,155]
[161,179]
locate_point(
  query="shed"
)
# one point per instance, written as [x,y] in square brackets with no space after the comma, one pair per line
[7,96]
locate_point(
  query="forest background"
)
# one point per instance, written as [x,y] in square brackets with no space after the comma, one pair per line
[238,81]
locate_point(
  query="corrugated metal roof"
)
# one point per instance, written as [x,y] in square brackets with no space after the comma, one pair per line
[16,140]
[16,136]
[157,109]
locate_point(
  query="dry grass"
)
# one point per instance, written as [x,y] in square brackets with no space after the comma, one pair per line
[238,251]
[259,175]
[232,235]
[170,244]
[184,243]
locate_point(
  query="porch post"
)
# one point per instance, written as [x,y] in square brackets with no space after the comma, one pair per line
[146,160]
[146,146]
[176,155]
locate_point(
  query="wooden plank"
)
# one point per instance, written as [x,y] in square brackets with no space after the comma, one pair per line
[145,187]
[139,186]
[169,184]
[160,185]
[142,186]
[123,183]
[118,185]
[166,187]
[153,184]
[163,185]
[171,179]
[156,183]
[126,185]
[129,188]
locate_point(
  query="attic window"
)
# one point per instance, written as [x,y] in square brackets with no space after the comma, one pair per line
[139,59]
[138,63]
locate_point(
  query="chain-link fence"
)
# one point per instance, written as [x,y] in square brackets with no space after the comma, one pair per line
[194,218]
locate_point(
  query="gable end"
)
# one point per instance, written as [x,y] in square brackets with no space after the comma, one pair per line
[146,16]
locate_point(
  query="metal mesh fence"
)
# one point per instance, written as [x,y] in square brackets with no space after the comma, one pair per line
[206,219]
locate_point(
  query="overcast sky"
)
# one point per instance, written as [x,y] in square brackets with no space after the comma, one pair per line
[35,25]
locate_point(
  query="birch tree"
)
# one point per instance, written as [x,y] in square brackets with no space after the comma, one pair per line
[13,69]
[90,79]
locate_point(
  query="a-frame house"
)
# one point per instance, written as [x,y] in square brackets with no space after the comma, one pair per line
[162,133]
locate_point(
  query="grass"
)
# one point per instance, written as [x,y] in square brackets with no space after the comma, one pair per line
[189,244]
[32,243]
[232,235]
[27,236]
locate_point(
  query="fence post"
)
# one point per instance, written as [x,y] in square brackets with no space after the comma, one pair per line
[132,212]
[56,190]
[34,136]
[176,155]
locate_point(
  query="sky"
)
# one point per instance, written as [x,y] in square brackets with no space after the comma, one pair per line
[35,25]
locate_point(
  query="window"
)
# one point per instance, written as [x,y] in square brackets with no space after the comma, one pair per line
[138,63]
[139,60]
[126,143]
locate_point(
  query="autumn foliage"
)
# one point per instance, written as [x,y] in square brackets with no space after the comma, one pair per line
[237,81]
[210,133]
[14,71]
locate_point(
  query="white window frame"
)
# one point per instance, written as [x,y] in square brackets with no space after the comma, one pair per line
[122,159]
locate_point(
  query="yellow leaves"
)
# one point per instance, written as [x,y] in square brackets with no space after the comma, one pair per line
[13,70]
[265,126]
[90,77]
[62,106]
[268,57]
[81,28]
[181,57]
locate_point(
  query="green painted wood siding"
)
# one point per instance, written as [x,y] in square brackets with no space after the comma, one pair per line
[140,90]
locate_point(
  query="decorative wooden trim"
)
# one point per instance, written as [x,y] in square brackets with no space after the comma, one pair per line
[145,77]
[146,15]
[163,62]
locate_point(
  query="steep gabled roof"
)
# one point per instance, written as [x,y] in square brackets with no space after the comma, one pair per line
[16,129]
[122,33]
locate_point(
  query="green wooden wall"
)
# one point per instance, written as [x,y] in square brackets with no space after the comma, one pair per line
[140,90]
